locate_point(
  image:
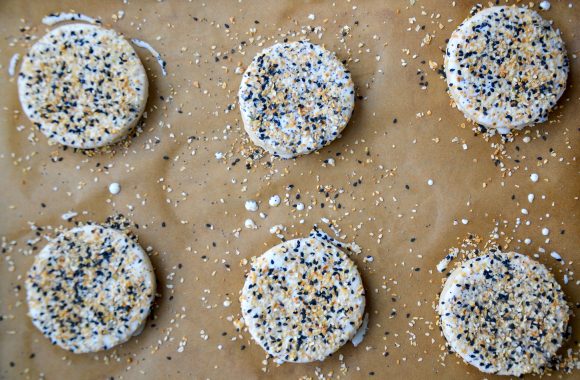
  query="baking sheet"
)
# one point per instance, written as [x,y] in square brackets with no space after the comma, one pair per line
[189,205]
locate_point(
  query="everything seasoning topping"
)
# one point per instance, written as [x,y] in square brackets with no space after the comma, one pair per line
[302,300]
[295,98]
[90,288]
[504,313]
[83,86]
[506,68]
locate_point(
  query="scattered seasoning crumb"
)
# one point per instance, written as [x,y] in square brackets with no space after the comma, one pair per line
[330,161]
[277,230]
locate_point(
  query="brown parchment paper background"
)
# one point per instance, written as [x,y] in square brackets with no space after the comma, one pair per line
[173,188]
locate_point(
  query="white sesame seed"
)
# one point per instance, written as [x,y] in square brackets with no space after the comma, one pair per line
[545,231]
[528,241]
[531,197]
[430,182]
[525,211]
[534,177]
[464,221]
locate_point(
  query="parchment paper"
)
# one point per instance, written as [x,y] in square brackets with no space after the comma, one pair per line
[188,202]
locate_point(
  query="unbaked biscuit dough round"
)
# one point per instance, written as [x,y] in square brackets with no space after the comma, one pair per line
[503,313]
[83,86]
[506,68]
[295,98]
[90,288]
[302,300]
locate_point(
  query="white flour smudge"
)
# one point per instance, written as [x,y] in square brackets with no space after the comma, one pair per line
[145,45]
[55,18]
[12,66]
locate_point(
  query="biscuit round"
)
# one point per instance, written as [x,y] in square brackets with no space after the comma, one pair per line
[302,300]
[295,98]
[83,86]
[503,313]
[90,288]
[506,68]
